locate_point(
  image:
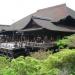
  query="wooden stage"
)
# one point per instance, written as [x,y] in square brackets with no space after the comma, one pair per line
[15,49]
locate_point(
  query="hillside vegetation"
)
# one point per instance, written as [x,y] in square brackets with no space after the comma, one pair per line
[61,63]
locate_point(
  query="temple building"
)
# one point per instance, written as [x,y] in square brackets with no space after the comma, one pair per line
[42,28]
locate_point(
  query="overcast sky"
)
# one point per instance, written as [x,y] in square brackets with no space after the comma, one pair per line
[13,10]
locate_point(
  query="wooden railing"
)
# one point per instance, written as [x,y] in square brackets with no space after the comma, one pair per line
[34,44]
[11,45]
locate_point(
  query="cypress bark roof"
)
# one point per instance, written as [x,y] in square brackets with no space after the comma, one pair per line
[46,17]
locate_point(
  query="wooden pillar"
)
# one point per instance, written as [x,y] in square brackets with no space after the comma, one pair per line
[13,37]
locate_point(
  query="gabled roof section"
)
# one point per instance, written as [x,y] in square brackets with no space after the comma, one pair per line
[20,24]
[50,26]
[32,25]
[68,21]
[55,13]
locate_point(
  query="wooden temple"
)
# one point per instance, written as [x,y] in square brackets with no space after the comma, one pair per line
[40,29]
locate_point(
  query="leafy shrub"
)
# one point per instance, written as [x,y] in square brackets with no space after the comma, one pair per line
[41,54]
[68,41]
[4,61]
[62,60]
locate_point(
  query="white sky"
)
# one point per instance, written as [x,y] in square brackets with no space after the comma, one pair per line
[13,10]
